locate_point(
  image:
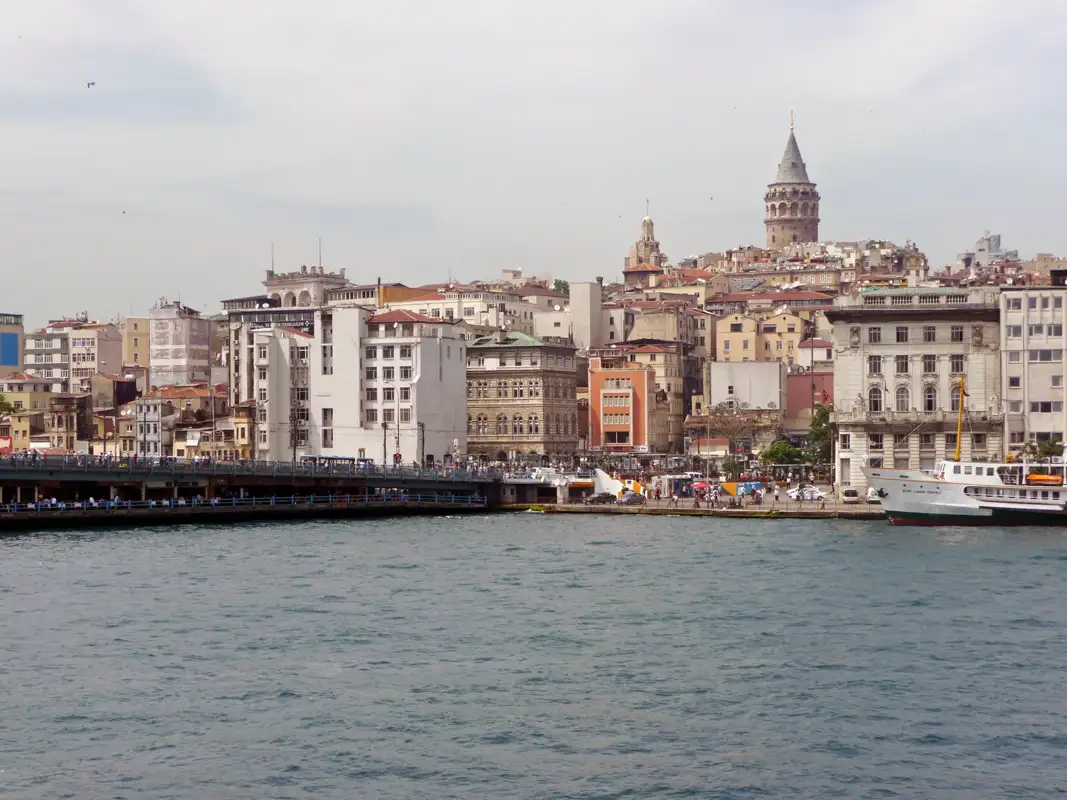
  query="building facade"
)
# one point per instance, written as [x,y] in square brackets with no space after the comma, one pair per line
[94,348]
[792,201]
[12,344]
[1033,362]
[645,259]
[521,397]
[136,334]
[627,414]
[180,351]
[900,358]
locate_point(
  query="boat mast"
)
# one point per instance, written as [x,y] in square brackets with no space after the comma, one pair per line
[959,421]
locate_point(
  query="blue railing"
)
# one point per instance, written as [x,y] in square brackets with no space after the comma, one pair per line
[336,500]
[184,466]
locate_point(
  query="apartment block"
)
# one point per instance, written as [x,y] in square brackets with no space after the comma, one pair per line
[1033,362]
[136,336]
[94,348]
[180,345]
[627,413]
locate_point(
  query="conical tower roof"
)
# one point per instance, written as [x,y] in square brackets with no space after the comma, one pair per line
[792,169]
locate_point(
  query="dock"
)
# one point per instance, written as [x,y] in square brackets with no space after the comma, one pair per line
[781,511]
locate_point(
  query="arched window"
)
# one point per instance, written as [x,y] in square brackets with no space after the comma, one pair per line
[533,425]
[559,424]
[574,424]
[516,425]
[483,424]
[781,209]
[955,398]
[903,398]
[929,399]
[472,392]
[803,209]
[501,424]
[874,399]
[793,209]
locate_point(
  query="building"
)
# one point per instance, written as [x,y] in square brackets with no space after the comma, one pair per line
[753,385]
[12,344]
[95,347]
[900,356]
[112,391]
[474,305]
[521,397]
[743,403]
[645,259]
[69,421]
[792,201]
[1032,363]
[815,354]
[156,418]
[180,352]
[306,287]
[627,413]
[737,338]
[26,392]
[136,333]
[47,353]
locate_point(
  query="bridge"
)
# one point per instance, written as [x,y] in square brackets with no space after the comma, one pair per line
[75,478]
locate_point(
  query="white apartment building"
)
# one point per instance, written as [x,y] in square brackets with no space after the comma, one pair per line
[755,385]
[476,306]
[360,384]
[900,355]
[94,348]
[180,345]
[1032,361]
[47,354]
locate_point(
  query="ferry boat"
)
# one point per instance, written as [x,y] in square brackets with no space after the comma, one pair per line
[972,492]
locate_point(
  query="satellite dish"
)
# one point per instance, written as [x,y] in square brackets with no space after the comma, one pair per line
[557,307]
[396,325]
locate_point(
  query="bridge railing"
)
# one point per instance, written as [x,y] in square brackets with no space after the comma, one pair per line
[336,500]
[247,468]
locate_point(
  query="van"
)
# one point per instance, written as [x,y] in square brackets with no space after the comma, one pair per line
[850,495]
[872,495]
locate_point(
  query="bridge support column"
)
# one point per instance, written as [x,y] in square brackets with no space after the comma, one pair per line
[144,492]
[18,495]
[174,491]
[242,490]
[36,493]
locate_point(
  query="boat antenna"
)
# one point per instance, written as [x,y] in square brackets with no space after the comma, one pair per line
[959,420]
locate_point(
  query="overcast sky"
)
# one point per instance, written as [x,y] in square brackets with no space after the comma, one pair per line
[421,138]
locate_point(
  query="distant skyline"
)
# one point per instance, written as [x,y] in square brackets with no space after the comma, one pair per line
[420,140]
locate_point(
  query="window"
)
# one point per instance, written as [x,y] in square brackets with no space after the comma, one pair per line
[978,440]
[371,352]
[876,441]
[929,365]
[387,373]
[957,333]
[372,373]
[372,395]
[1014,382]
[926,441]
[874,335]
[405,393]
[874,365]
[1057,302]
[405,373]
[903,398]
[735,327]
[388,415]
[929,399]
[726,346]
[1055,330]
[901,363]
[1045,355]
[929,333]
[262,437]
[405,352]
[956,363]
[744,345]
[1015,304]
[846,441]
[950,440]
[1015,356]
[388,351]
[1057,381]
[468,311]
[405,415]
[874,399]
[262,395]
[1015,406]
[1036,330]
[902,334]
[875,462]
[388,394]
[1015,331]
[371,415]
[1031,302]
[261,352]
[955,398]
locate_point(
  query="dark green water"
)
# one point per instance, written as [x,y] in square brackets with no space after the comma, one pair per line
[532,656]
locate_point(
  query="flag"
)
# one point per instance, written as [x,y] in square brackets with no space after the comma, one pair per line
[825,398]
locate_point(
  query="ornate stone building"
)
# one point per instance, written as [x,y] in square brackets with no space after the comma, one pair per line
[645,258]
[792,202]
[521,396]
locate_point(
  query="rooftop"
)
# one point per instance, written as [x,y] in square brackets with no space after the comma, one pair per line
[403,315]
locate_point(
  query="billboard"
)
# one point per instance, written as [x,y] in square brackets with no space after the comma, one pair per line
[10,348]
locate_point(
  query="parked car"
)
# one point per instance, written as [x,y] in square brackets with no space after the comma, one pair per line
[806,493]
[631,499]
[599,499]
[872,495]
[850,494]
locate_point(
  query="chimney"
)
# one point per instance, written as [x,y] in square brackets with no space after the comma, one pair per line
[599,280]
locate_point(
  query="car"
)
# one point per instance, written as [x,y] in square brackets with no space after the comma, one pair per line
[631,499]
[850,494]
[806,493]
[599,499]
[872,495]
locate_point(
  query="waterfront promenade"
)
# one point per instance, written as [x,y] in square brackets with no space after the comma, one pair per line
[781,510]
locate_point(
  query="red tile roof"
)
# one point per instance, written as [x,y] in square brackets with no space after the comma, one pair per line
[297,332]
[810,343]
[403,315]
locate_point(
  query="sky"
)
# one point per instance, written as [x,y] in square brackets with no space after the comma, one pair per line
[423,140]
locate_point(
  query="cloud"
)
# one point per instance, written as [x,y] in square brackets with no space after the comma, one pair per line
[468,136]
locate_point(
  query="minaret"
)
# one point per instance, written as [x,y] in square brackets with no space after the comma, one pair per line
[791,202]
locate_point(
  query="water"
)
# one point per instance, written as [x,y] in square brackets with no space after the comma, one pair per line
[533,656]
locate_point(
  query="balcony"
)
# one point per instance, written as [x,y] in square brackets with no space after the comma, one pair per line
[913,417]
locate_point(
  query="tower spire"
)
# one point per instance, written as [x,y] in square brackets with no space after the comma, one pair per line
[791,120]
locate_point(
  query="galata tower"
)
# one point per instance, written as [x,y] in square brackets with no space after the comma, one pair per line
[792,202]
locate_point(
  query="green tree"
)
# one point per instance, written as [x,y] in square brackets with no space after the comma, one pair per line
[731,468]
[782,452]
[1041,451]
[561,286]
[820,436]
[5,406]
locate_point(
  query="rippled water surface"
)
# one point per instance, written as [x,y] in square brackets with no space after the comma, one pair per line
[533,656]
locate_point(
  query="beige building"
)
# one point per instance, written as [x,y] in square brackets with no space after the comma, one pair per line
[135,341]
[645,260]
[26,392]
[521,397]
[736,338]
[780,337]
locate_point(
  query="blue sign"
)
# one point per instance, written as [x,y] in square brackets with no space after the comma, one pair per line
[10,347]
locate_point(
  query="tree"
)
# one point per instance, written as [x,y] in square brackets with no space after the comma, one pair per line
[1041,451]
[5,406]
[782,452]
[731,467]
[728,421]
[561,286]
[820,436]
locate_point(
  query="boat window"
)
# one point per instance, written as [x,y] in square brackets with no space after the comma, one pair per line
[1000,492]
[988,470]
[1055,495]
[956,470]
[966,470]
[1044,495]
